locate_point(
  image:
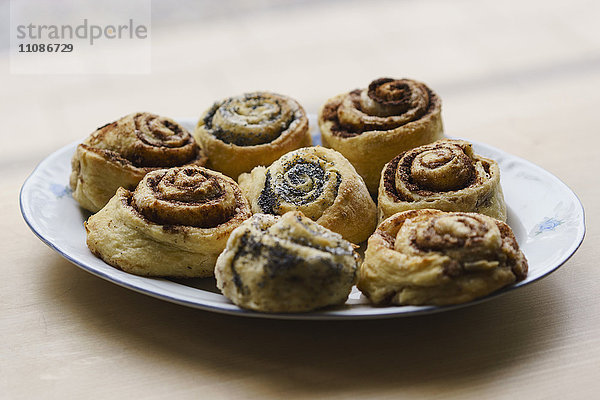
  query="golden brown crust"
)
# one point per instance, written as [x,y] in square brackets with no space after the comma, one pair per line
[445,175]
[322,184]
[175,223]
[242,132]
[286,264]
[119,154]
[371,126]
[432,257]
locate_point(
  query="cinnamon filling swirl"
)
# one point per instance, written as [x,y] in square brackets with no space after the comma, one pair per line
[120,153]
[187,196]
[445,175]
[473,242]
[428,256]
[439,167]
[386,104]
[443,166]
[146,141]
[175,223]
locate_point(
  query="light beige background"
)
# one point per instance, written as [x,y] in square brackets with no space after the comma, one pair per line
[523,76]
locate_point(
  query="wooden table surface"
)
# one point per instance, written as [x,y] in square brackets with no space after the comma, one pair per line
[523,76]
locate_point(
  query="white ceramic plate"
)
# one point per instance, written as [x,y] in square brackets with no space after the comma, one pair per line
[545,215]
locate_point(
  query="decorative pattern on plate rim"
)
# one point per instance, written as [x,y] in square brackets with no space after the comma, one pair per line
[59,190]
[548,224]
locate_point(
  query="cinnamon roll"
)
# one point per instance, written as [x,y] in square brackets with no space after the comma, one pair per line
[175,223]
[433,257]
[242,132]
[286,264]
[445,175]
[370,126]
[319,182]
[119,154]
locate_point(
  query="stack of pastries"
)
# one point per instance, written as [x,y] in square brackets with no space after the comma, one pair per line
[246,197]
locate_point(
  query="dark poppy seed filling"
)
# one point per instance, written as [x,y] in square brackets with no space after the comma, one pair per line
[209,116]
[267,200]
[283,264]
[279,259]
[247,246]
[302,183]
[249,120]
[306,241]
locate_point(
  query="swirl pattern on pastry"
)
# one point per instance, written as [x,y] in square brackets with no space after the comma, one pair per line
[322,184]
[433,257]
[286,264]
[370,126]
[445,175]
[252,129]
[175,223]
[119,154]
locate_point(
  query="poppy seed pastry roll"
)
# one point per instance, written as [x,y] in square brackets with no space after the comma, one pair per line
[242,132]
[119,154]
[322,184]
[175,223]
[445,175]
[427,256]
[370,126]
[286,264]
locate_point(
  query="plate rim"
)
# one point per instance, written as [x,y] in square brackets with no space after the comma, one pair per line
[325,314]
